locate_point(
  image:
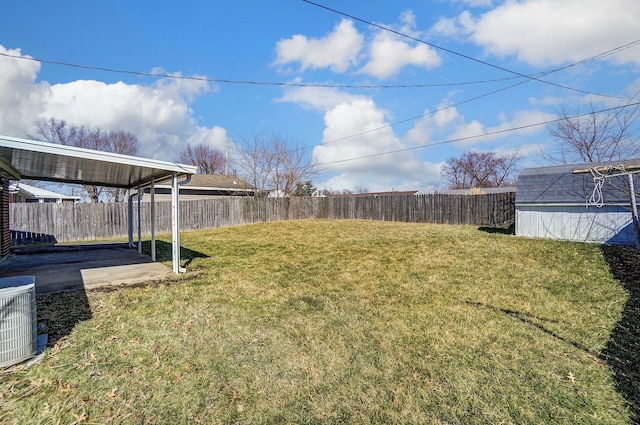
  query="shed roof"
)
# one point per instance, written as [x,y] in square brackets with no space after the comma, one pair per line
[31,159]
[559,185]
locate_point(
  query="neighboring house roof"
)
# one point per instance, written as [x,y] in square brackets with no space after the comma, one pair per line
[215,184]
[218,181]
[31,192]
[559,185]
[391,193]
[480,190]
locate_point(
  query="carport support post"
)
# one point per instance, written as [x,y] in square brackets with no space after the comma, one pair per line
[175,224]
[130,218]
[153,219]
[139,222]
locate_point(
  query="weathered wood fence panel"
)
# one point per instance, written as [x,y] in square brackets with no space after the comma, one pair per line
[32,222]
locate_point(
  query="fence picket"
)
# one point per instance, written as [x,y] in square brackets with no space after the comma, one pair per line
[77,222]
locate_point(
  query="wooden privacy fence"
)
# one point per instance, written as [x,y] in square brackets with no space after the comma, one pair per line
[33,222]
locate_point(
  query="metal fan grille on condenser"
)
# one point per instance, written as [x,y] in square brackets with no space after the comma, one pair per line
[18,319]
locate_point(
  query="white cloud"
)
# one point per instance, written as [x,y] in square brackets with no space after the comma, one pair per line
[357,117]
[369,139]
[20,95]
[383,183]
[552,32]
[475,132]
[547,101]
[189,88]
[527,150]
[445,117]
[338,50]
[316,98]
[468,132]
[215,137]
[634,88]
[448,124]
[347,115]
[458,26]
[159,115]
[388,54]
[478,3]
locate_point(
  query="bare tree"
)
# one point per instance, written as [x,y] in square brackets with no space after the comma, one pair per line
[594,136]
[59,131]
[274,164]
[207,159]
[481,169]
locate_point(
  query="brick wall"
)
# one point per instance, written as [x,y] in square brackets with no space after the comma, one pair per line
[5,233]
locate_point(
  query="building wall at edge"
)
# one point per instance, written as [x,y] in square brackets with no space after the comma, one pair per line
[5,232]
[609,224]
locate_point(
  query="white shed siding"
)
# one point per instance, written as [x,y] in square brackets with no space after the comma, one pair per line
[609,224]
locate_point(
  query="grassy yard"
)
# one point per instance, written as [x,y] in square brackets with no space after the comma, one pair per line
[340,322]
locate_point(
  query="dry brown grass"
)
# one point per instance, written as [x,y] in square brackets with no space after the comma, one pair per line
[342,322]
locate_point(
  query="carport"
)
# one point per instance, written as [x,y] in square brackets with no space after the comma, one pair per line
[30,159]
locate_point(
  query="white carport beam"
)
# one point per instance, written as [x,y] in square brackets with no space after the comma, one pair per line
[130,218]
[175,224]
[153,219]
[139,221]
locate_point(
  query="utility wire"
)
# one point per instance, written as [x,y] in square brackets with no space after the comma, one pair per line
[453,52]
[364,86]
[581,62]
[319,85]
[477,136]
[256,83]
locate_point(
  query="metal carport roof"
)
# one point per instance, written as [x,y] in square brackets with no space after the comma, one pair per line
[31,159]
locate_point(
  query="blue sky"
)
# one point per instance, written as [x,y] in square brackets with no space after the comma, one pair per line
[458,90]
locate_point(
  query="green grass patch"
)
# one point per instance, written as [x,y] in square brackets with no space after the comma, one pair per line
[339,322]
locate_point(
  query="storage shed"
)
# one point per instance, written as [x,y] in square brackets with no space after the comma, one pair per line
[556,203]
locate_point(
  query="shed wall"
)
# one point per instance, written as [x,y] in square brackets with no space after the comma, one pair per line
[609,224]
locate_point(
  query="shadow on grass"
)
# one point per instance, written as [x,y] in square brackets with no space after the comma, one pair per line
[622,352]
[511,230]
[60,312]
[163,252]
[536,322]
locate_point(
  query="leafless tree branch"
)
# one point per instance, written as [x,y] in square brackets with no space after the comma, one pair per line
[593,137]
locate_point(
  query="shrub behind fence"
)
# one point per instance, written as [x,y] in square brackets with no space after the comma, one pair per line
[83,222]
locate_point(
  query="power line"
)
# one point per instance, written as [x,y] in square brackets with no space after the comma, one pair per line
[477,136]
[453,52]
[581,62]
[528,78]
[322,85]
[256,83]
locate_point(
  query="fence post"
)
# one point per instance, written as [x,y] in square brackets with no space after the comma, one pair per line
[73,222]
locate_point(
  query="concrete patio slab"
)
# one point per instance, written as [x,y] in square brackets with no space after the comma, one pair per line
[72,267]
